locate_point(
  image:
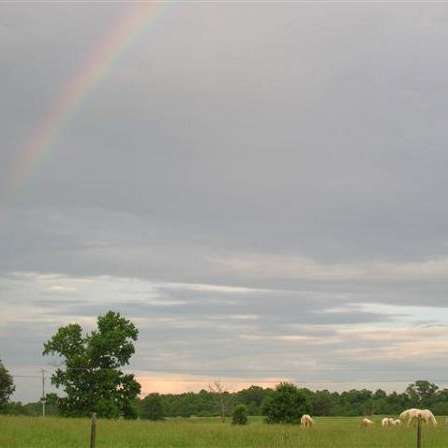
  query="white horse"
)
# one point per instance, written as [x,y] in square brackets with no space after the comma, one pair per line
[366,423]
[387,422]
[411,416]
[306,421]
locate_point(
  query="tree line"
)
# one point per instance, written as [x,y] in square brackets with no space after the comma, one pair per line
[91,380]
[256,400]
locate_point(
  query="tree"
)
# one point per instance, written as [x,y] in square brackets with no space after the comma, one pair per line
[218,389]
[422,392]
[7,387]
[322,403]
[380,394]
[239,416]
[91,377]
[440,407]
[152,407]
[287,404]
[253,398]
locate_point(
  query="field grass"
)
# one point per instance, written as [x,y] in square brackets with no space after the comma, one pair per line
[27,432]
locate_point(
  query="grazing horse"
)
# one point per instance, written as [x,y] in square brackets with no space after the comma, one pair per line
[413,415]
[366,423]
[387,422]
[306,421]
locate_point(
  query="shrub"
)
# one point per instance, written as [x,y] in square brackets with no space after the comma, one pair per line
[287,404]
[239,416]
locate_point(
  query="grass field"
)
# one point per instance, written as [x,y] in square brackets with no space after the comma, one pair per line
[27,432]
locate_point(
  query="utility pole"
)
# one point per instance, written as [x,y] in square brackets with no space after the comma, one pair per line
[43,393]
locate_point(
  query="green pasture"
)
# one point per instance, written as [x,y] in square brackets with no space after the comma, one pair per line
[51,432]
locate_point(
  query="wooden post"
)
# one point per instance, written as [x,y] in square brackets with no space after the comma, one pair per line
[93,431]
[419,432]
[43,393]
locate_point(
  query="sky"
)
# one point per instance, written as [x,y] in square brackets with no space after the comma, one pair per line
[259,186]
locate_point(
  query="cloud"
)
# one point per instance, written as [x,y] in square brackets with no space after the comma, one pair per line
[191,333]
[266,197]
[256,265]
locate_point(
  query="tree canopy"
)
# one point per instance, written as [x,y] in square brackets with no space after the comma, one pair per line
[7,387]
[91,376]
[151,407]
[286,404]
[422,392]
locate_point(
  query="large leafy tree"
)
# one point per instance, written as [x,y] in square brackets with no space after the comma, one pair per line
[6,385]
[91,376]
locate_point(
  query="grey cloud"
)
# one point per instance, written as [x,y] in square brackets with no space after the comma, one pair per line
[237,331]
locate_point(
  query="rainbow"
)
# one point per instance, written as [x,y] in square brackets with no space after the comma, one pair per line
[97,65]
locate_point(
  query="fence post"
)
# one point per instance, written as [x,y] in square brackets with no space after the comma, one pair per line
[93,431]
[419,433]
